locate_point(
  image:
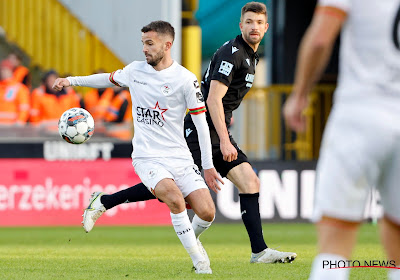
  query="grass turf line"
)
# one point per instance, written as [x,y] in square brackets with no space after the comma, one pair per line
[156,253]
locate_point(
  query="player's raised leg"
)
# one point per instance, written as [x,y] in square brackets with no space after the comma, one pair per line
[246,180]
[138,192]
[94,210]
[100,202]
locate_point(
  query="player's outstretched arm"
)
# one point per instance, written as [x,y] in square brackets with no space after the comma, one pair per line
[103,80]
[60,83]
[215,106]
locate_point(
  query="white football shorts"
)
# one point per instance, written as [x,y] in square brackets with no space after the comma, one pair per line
[186,176]
[360,151]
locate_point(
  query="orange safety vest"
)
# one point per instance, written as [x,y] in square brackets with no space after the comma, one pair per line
[47,108]
[123,130]
[14,102]
[98,105]
[20,74]
[114,109]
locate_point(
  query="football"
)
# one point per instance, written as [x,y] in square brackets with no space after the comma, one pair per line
[76,125]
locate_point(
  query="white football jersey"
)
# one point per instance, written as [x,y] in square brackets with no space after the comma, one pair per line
[369,49]
[159,103]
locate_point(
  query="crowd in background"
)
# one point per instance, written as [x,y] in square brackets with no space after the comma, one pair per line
[41,107]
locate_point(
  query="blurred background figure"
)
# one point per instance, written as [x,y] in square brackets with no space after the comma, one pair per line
[20,73]
[48,104]
[14,97]
[98,100]
[119,114]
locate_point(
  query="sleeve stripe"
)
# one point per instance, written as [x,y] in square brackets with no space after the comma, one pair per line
[197,111]
[198,108]
[111,78]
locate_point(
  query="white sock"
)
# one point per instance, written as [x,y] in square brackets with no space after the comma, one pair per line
[199,225]
[394,274]
[185,232]
[319,271]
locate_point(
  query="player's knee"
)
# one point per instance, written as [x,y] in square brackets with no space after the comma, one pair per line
[207,215]
[175,202]
[205,210]
[252,185]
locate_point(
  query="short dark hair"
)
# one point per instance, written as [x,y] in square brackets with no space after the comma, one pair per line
[161,27]
[255,7]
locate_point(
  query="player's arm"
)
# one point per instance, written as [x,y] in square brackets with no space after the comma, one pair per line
[211,175]
[314,53]
[104,80]
[94,81]
[197,109]
[216,109]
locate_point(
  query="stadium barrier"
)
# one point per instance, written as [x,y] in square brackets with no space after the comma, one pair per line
[259,128]
[40,192]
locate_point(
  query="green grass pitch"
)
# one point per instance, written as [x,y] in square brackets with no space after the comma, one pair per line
[156,253]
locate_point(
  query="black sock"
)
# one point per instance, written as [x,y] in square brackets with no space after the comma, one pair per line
[138,192]
[252,221]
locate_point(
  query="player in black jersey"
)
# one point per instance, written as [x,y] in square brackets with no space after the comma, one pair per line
[228,78]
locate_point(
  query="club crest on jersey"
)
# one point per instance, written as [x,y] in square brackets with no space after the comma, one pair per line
[151,116]
[166,89]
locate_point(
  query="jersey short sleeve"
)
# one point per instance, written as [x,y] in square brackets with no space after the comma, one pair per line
[225,66]
[340,4]
[194,97]
[120,77]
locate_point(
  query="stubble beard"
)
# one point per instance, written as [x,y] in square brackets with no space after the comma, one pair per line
[156,59]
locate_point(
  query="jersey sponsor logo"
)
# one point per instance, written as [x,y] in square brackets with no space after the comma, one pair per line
[249,79]
[248,61]
[196,84]
[151,116]
[140,82]
[166,89]
[234,49]
[199,97]
[225,68]
[188,131]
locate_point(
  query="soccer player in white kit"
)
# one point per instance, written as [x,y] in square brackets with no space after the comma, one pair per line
[162,91]
[361,144]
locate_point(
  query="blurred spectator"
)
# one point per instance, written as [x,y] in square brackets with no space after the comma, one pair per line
[97,101]
[120,114]
[120,109]
[48,104]
[14,97]
[20,73]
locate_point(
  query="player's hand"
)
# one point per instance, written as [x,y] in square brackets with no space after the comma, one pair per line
[212,177]
[293,112]
[60,83]
[228,151]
